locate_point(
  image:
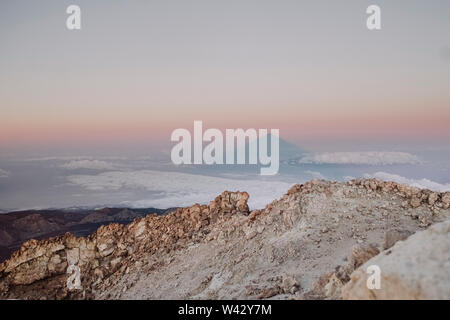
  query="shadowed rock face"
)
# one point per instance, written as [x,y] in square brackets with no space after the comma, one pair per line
[306,245]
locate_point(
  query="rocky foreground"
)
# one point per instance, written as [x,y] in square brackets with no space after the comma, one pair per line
[18,226]
[316,242]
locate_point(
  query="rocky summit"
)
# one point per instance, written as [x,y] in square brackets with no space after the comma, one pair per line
[316,242]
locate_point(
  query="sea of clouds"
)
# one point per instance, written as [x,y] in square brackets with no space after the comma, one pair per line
[419,183]
[4,173]
[88,164]
[360,158]
[172,189]
[146,182]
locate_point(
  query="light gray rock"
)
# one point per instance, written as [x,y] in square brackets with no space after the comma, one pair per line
[417,268]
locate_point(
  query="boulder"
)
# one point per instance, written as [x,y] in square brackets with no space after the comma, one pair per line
[417,268]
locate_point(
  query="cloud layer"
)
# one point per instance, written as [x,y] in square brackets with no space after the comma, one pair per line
[361,158]
[4,173]
[169,189]
[88,164]
[316,174]
[419,183]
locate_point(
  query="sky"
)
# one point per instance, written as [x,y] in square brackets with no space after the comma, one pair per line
[139,69]
[86,115]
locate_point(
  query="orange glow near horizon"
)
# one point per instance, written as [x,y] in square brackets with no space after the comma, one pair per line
[147,127]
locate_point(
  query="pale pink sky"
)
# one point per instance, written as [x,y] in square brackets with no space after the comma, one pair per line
[311,72]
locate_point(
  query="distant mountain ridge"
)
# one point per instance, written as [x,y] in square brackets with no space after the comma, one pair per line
[19,226]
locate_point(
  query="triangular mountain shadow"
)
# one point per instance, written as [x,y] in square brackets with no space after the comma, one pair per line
[288,151]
